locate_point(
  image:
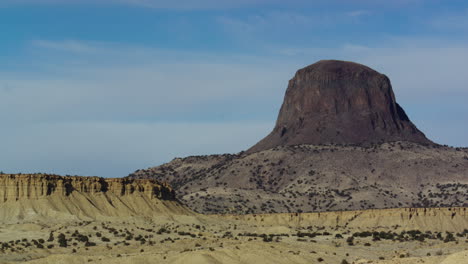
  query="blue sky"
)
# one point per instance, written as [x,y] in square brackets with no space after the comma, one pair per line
[105,87]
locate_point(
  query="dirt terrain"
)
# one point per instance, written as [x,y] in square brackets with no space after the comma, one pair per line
[371,236]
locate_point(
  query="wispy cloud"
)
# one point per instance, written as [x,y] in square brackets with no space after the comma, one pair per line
[261,29]
[156,85]
[163,4]
[66,45]
[358,13]
[266,21]
[210,4]
[450,22]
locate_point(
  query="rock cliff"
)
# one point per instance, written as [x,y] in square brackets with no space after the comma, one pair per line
[36,186]
[343,103]
[43,196]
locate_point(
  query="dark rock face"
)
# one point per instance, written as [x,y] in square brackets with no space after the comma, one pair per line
[343,103]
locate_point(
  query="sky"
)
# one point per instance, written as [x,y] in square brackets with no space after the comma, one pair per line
[106,87]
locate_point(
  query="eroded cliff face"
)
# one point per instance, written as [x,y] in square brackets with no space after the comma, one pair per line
[35,186]
[31,197]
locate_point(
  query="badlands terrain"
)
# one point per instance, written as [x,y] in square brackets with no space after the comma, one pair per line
[55,219]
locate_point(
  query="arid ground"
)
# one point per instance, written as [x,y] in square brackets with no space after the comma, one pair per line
[371,236]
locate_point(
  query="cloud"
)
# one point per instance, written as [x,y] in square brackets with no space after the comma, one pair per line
[358,13]
[264,28]
[162,4]
[103,115]
[454,21]
[122,83]
[216,4]
[66,45]
[270,20]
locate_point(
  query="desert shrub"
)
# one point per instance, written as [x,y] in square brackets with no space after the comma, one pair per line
[449,237]
[267,238]
[82,238]
[344,261]
[62,240]
[90,244]
[362,234]
[162,230]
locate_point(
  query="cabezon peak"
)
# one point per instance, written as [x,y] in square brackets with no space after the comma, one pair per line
[340,102]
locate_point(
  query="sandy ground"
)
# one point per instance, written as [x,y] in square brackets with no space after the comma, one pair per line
[203,239]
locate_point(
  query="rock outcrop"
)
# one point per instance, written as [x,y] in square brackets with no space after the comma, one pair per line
[427,219]
[14,187]
[342,103]
[42,196]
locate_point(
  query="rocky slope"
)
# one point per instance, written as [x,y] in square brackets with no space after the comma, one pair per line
[309,178]
[28,197]
[341,142]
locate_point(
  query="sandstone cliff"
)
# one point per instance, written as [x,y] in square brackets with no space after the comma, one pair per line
[42,196]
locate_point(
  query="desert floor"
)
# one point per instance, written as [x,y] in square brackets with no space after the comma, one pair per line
[217,239]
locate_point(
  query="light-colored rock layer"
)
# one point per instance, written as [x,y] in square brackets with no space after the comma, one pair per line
[48,197]
[424,219]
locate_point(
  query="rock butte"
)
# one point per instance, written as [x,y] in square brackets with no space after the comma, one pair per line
[342,103]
